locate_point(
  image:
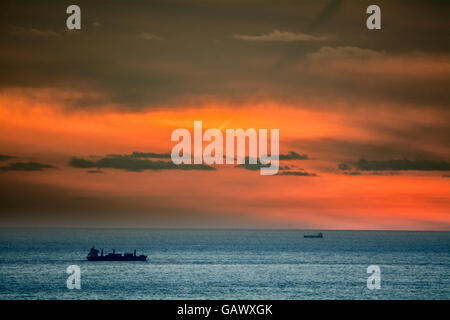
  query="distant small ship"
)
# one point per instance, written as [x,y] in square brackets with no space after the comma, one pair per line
[319,235]
[94,256]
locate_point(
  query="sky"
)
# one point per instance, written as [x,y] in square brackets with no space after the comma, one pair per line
[86,115]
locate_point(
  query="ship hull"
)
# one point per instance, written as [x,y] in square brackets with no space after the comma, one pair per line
[105,258]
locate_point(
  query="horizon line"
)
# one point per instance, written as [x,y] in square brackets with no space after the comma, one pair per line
[217,228]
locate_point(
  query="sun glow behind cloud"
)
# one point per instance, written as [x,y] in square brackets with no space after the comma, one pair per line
[40,130]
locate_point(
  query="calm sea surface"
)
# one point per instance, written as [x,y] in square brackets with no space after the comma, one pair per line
[225,264]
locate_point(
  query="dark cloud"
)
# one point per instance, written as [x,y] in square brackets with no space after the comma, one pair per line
[26,166]
[296,173]
[94,171]
[358,173]
[292,155]
[4,157]
[397,165]
[344,166]
[151,155]
[113,65]
[352,173]
[250,166]
[401,143]
[383,173]
[130,163]
[404,164]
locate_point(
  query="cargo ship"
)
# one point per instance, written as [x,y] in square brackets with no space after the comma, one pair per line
[319,235]
[93,255]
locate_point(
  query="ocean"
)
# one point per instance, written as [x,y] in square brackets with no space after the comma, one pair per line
[225,264]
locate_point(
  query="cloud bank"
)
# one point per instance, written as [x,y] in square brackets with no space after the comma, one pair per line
[26,166]
[396,165]
[132,164]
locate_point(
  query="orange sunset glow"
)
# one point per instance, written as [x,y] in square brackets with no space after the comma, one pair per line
[363,121]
